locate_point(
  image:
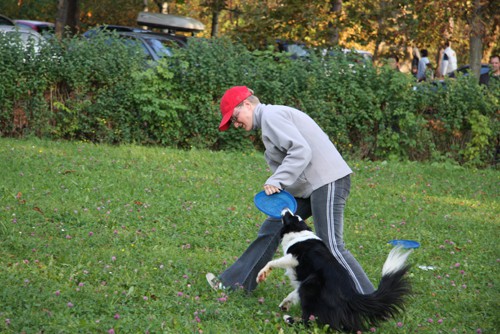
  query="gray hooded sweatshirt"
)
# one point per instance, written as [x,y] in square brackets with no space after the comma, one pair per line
[299,153]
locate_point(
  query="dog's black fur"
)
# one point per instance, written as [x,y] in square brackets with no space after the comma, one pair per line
[324,288]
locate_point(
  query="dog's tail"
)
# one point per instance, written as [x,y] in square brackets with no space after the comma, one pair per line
[388,300]
[395,261]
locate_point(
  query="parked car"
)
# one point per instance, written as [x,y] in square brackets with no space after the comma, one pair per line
[366,56]
[154,45]
[296,50]
[464,70]
[111,27]
[27,36]
[41,27]
[5,21]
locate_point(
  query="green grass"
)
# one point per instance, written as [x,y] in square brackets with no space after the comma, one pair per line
[94,238]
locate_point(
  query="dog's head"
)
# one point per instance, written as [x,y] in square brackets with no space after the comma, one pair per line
[292,223]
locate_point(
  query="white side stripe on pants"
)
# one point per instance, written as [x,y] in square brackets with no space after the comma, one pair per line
[330,214]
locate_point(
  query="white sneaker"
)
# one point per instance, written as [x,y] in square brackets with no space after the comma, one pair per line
[214,282]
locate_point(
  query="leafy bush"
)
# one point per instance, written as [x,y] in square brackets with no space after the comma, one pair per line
[202,73]
[157,109]
[96,87]
[452,112]
[73,89]
[23,83]
[103,91]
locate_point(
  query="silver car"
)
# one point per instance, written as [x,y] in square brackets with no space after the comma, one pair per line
[26,36]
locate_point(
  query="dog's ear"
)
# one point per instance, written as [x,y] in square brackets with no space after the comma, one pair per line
[285,211]
[286,214]
[286,220]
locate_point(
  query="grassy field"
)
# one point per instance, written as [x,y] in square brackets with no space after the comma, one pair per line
[99,239]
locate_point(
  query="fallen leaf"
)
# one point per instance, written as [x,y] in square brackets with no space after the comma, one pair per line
[38,209]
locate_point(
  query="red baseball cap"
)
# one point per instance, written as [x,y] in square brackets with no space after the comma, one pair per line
[231,98]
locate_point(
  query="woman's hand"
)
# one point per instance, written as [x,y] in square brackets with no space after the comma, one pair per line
[270,189]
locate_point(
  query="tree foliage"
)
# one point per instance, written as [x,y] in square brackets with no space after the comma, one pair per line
[382,27]
[44,10]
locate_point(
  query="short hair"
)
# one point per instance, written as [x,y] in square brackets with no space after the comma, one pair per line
[254,100]
[494,56]
[424,53]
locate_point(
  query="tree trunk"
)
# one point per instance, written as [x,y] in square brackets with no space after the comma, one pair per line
[476,42]
[215,23]
[334,30]
[162,7]
[67,16]
[476,54]
[217,6]
[381,29]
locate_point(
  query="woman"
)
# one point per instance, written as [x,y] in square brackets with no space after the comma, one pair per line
[423,67]
[305,163]
[415,61]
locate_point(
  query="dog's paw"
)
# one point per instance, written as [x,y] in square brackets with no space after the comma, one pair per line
[285,305]
[262,276]
[288,319]
[292,299]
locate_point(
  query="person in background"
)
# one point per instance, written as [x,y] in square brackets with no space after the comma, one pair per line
[303,162]
[494,72]
[415,61]
[423,66]
[449,60]
[393,62]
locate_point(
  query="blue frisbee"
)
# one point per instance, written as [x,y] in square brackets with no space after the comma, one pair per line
[405,243]
[272,205]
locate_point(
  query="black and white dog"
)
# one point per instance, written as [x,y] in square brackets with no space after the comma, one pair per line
[324,288]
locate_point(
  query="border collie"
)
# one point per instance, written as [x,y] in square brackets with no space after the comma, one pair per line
[325,290]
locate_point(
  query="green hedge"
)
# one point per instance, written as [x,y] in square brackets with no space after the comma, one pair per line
[101,91]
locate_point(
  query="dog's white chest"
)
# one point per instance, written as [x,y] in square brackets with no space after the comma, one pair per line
[292,275]
[291,239]
[288,241]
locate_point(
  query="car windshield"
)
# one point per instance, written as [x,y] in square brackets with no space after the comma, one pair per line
[5,21]
[133,43]
[162,48]
[297,50]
